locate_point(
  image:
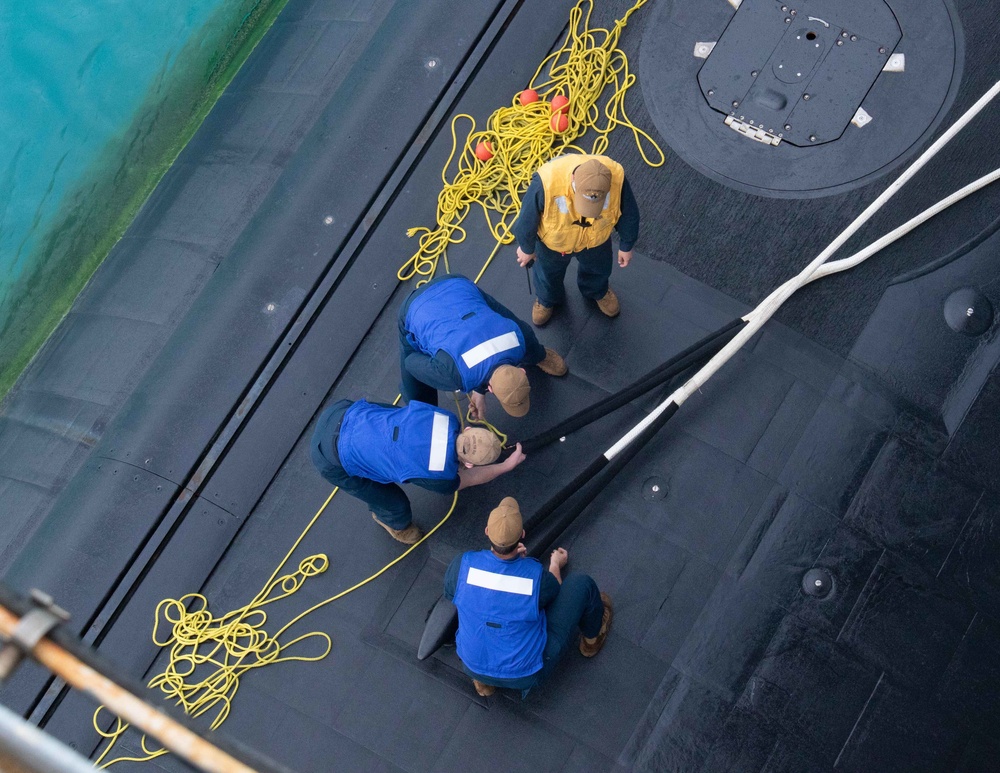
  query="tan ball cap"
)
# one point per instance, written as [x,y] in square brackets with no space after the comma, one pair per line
[505,525]
[478,446]
[591,184]
[510,385]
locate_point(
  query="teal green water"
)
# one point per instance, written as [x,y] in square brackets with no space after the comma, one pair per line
[98,97]
[74,76]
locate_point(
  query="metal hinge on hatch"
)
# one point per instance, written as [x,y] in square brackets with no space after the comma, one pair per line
[753,132]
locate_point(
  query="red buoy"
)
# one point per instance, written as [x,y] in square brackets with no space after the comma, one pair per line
[484,150]
[560,104]
[528,96]
[559,122]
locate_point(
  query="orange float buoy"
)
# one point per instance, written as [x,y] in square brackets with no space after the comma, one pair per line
[528,96]
[559,122]
[560,104]
[484,150]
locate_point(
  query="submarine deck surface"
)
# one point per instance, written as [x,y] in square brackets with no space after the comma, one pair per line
[157,446]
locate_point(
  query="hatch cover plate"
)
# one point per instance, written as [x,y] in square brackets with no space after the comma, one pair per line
[799,70]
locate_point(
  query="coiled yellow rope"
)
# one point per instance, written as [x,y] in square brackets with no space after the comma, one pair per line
[227,647]
[522,138]
[208,654]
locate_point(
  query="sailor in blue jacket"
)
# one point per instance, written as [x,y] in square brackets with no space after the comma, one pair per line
[515,619]
[454,337]
[367,449]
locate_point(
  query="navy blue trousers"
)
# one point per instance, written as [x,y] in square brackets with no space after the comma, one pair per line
[592,273]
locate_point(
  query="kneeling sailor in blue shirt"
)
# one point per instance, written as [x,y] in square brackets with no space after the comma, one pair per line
[367,449]
[515,619]
[455,337]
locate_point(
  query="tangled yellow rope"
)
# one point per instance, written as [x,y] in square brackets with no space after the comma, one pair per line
[208,654]
[523,137]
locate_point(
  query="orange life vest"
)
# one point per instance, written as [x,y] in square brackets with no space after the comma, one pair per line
[558,227]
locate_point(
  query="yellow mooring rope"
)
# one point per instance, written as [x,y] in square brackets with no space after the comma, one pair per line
[522,137]
[208,654]
[466,418]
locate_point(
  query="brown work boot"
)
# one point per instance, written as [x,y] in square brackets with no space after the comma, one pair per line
[486,690]
[553,364]
[590,647]
[540,314]
[411,535]
[609,304]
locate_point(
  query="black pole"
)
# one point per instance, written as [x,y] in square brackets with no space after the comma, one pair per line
[440,628]
[556,500]
[575,503]
[704,349]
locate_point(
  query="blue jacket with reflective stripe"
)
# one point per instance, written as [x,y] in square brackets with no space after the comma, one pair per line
[452,316]
[501,630]
[394,445]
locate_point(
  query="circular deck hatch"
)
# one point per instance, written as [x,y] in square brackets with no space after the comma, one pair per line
[800,98]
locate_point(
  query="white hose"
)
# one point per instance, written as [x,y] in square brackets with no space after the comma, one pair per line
[859,257]
[756,318]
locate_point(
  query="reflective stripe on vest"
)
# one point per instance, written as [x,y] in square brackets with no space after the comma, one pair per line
[498,345]
[440,442]
[394,445]
[501,630]
[500,582]
[558,225]
[452,316]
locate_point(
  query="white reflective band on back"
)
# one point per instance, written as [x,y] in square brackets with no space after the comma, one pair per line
[523,586]
[439,443]
[477,354]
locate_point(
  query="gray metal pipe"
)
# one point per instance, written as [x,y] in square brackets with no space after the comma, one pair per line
[26,749]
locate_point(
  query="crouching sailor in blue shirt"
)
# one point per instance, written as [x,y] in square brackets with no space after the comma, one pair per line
[515,619]
[454,337]
[367,449]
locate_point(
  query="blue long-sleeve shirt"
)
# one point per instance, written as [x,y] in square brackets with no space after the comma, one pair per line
[533,204]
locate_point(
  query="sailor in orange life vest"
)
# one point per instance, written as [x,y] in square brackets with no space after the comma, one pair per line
[569,210]
[367,449]
[515,619]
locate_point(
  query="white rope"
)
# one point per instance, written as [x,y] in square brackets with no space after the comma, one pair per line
[756,318]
